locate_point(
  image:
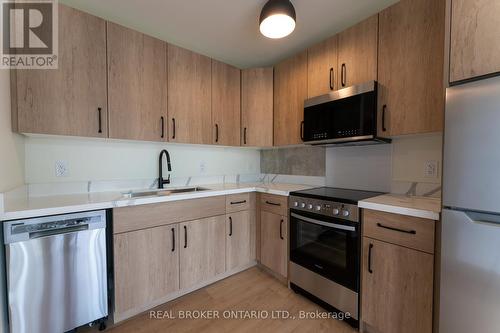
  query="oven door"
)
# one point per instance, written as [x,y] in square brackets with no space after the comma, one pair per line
[326,245]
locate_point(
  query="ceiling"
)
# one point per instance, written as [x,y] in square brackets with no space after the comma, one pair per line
[227,30]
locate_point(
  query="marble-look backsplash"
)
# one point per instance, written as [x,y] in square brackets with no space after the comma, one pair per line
[301,161]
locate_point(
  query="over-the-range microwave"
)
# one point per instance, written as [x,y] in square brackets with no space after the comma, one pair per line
[343,117]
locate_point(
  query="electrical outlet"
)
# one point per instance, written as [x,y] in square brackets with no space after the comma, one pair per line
[203,167]
[431,169]
[62,169]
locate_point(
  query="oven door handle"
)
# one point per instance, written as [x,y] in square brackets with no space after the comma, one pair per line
[325,224]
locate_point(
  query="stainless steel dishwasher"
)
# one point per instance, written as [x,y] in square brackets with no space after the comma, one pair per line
[56,272]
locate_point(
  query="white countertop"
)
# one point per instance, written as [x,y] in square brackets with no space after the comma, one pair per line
[22,207]
[424,207]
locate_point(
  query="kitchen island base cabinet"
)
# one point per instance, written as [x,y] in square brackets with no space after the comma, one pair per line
[273,242]
[202,250]
[146,266]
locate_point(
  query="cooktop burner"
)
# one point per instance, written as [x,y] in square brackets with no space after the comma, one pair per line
[336,194]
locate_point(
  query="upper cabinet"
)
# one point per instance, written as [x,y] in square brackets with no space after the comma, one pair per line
[137,85]
[290,91]
[357,53]
[475,38]
[410,67]
[322,68]
[257,107]
[189,96]
[70,100]
[226,101]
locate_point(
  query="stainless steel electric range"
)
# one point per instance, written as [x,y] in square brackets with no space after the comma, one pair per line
[325,247]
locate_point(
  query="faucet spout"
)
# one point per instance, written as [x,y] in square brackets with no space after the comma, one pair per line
[162,181]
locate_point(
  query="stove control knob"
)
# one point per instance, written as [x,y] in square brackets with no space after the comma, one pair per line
[318,208]
[302,205]
[310,206]
[345,213]
[295,204]
[335,211]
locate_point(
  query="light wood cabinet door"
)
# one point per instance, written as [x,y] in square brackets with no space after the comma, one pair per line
[189,96]
[202,250]
[226,104]
[137,85]
[475,38]
[357,53]
[238,240]
[397,289]
[410,68]
[322,68]
[257,107]
[273,242]
[146,265]
[70,100]
[290,91]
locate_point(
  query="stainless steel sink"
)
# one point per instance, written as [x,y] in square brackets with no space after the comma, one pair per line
[165,192]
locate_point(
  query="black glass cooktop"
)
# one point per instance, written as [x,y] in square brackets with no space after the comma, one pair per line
[336,194]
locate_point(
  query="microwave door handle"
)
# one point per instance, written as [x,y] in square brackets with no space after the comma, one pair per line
[325,224]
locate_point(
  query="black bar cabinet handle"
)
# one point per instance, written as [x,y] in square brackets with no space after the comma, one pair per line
[173,239]
[380,225]
[344,75]
[331,78]
[273,203]
[162,127]
[281,228]
[216,132]
[370,247]
[245,136]
[302,130]
[173,128]
[99,111]
[238,202]
[384,108]
[185,237]
[230,226]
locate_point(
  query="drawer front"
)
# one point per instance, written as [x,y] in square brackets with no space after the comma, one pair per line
[147,216]
[276,204]
[237,202]
[408,231]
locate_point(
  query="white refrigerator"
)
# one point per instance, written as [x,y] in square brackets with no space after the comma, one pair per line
[470,249]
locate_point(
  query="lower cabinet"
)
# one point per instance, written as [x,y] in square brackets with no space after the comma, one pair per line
[202,250]
[273,242]
[238,240]
[146,264]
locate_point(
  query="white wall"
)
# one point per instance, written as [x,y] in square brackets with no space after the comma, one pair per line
[11,145]
[99,159]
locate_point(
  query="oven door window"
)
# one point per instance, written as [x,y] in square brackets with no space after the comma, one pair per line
[330,249]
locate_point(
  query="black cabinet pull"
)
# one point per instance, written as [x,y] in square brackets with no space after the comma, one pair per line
[273,203]
[331,78]
[245,136]
[216,133]
[384,108]
[238,202]
[302,130]
[173,128]
[230,226]
[162,127]
[99,112]
[281,228]
[173,239]
[185,237]
[343,75]
[380,225]
[370,247]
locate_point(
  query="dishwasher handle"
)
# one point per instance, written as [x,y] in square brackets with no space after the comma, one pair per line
[61,231]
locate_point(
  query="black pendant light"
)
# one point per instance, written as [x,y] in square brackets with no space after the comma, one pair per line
[277,19]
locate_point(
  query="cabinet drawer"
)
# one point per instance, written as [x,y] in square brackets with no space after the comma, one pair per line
[153,215]
[408,231]
[237,202]
[276,204]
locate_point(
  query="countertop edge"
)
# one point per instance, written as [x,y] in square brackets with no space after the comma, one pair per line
[425,214]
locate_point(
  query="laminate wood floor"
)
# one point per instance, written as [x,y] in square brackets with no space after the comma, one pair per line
[250,290]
